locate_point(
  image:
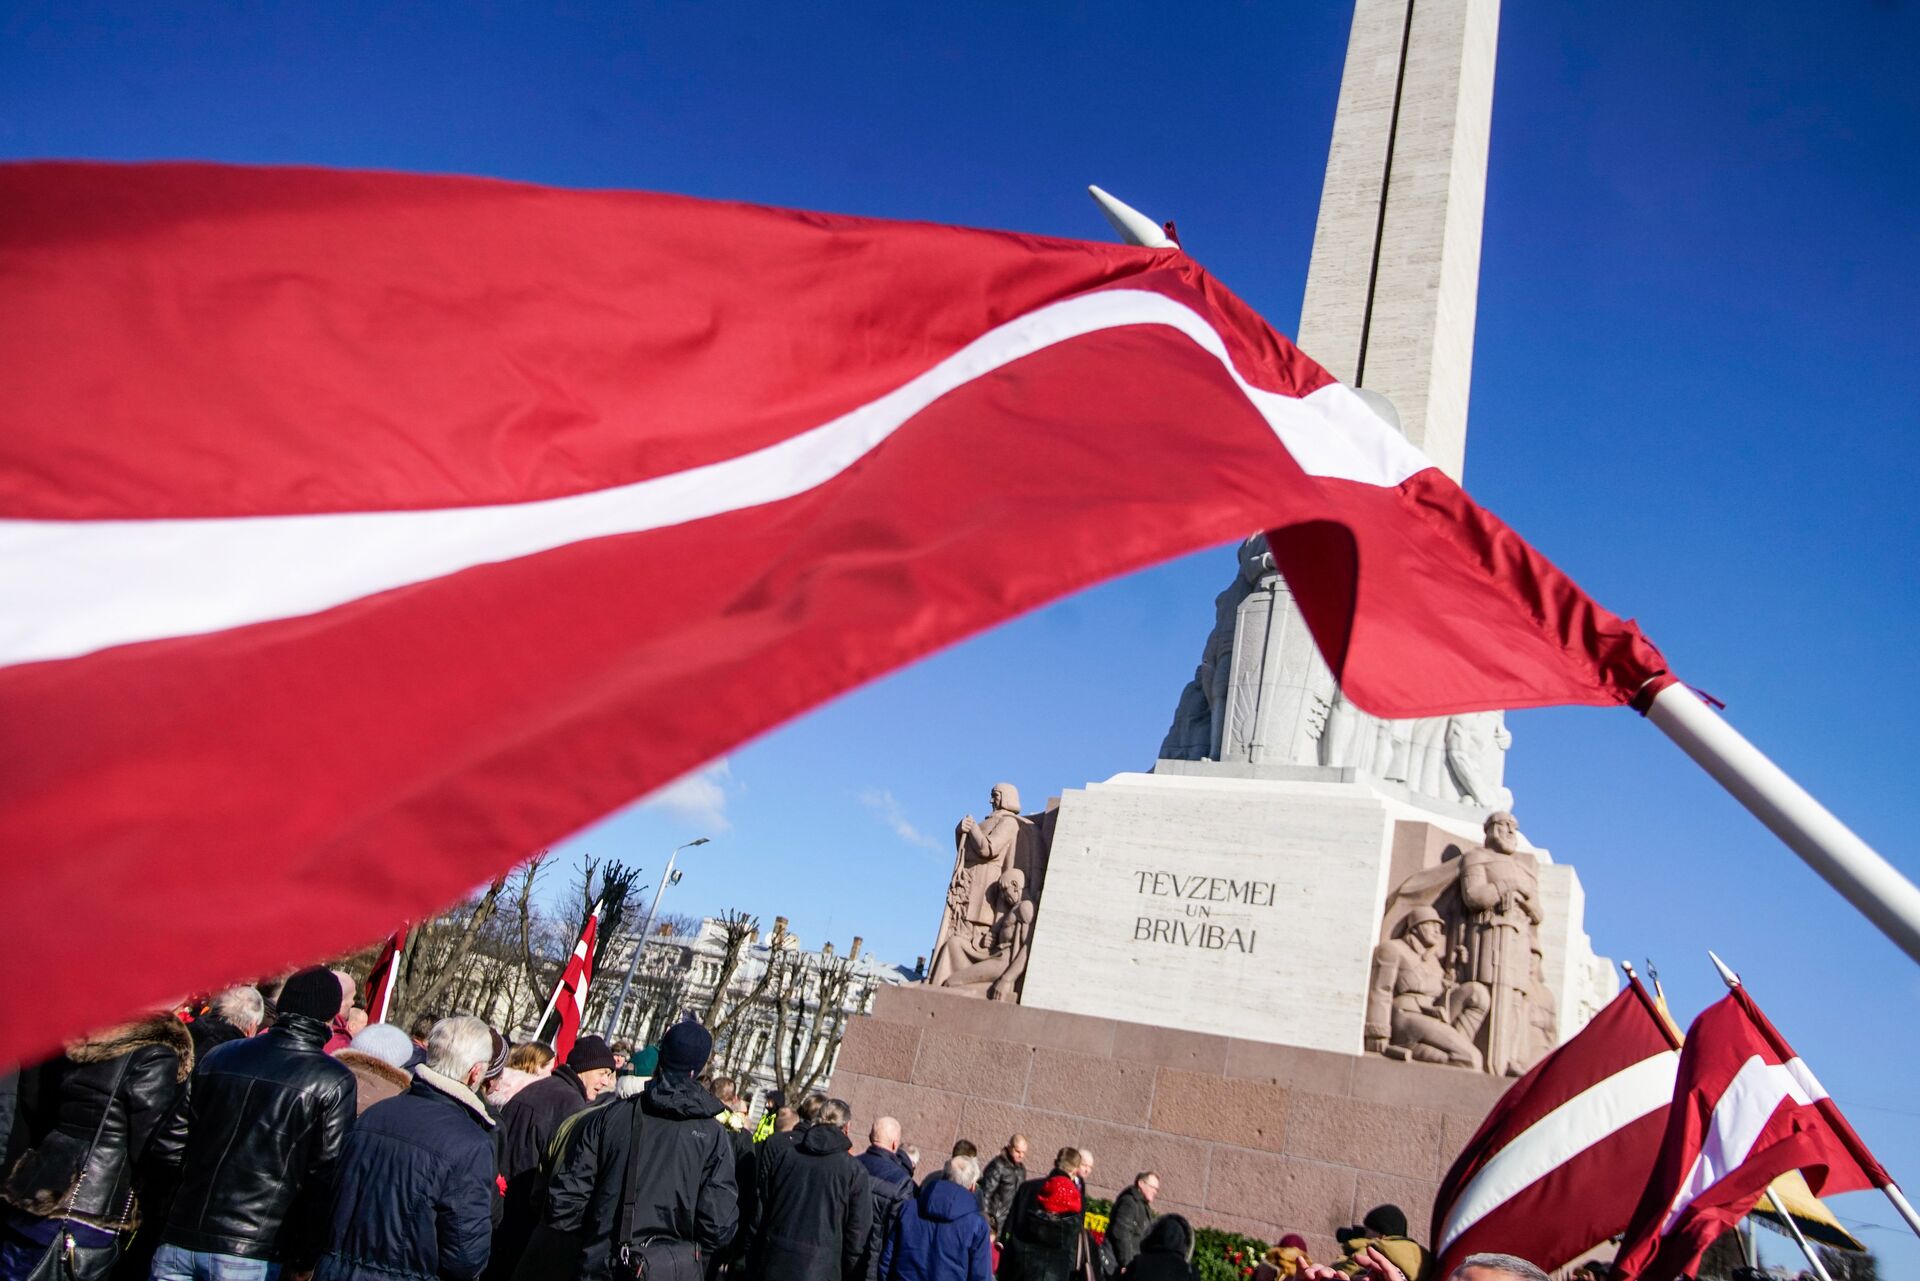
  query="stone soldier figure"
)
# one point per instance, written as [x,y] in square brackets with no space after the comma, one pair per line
[1500,890]
[1412,1006]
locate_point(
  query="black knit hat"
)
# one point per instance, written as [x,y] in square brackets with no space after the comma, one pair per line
[314,992]
[588,1053]
[1386,1221]
[685,1048]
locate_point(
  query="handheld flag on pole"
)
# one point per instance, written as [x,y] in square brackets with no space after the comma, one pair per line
[569,1000]
[1556,1168]
[385,977]
[1746,1109]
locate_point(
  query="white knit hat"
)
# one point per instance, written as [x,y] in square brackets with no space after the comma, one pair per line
[385,1042]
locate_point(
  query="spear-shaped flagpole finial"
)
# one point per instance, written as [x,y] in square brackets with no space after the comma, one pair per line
[1134,227]
[1727,976]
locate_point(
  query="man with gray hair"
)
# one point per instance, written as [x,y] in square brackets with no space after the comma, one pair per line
[415,1193]
[941,1234]
[232,1015]
[1496,1267]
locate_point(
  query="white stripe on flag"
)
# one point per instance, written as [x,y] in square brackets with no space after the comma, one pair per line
[1748,1103]
[1560,1136]
[69,588]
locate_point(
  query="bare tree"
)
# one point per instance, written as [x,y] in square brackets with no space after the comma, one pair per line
[730,1001]
[441,947]
[810,1000]
[526,881]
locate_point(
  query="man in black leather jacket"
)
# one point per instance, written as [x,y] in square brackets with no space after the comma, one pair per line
[257,1146]
[679,1181]
[998,1182]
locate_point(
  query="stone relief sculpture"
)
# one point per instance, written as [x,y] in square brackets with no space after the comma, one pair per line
[1200,718]
[1414,1008]
[988,923]
[1463,955]
[997,965]
[1262,693]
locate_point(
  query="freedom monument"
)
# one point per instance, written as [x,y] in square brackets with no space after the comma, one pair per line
[1292,966]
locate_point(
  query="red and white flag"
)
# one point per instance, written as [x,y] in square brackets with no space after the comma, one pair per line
[570,994]
[385,976]
[1558,1166]
[372,529]
[1745,1111]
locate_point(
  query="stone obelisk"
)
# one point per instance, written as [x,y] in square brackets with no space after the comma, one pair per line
[1395,274]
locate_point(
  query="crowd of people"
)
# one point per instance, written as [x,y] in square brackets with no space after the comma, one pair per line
[277,1136]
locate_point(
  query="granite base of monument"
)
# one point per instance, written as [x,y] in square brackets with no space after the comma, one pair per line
[1248,901]
[1245,1135]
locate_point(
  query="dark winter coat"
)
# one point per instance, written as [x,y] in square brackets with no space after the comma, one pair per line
[1127,1225]
[416,1188]
[121,1084]
[746,1155]
[682,1176]
[375,1080]
[210,1032]
[813,1210]
[527,1126]
[1038,1245]
[891,1185]
[940,1236]
[1166,1254]
[998,1182]
[257,1146]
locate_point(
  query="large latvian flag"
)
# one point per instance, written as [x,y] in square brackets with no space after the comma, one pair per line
[360,532]
[1746,1110]
[1559,1164]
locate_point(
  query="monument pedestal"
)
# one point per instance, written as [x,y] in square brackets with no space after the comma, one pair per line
[1246,900]
[1245,1135]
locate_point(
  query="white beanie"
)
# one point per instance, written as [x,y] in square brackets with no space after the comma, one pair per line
[385,1042]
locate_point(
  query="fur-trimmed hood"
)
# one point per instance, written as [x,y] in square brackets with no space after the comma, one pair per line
[110,1043]
[360,1061]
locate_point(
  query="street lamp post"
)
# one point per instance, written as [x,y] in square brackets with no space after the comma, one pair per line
[626,986]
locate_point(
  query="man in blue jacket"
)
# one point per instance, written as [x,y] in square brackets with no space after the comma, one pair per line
[417,1181]
[941,1234]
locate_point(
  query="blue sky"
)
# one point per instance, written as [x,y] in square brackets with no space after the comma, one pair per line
[1695,387]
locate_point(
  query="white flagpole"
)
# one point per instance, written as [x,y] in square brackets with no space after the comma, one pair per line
[1799,1237]
[1892,1189]
[393,976]
[1134,227]
[1827,845]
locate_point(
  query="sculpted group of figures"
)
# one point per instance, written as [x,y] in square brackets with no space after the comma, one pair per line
[988,924]
[1460,979]
[1258,666]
